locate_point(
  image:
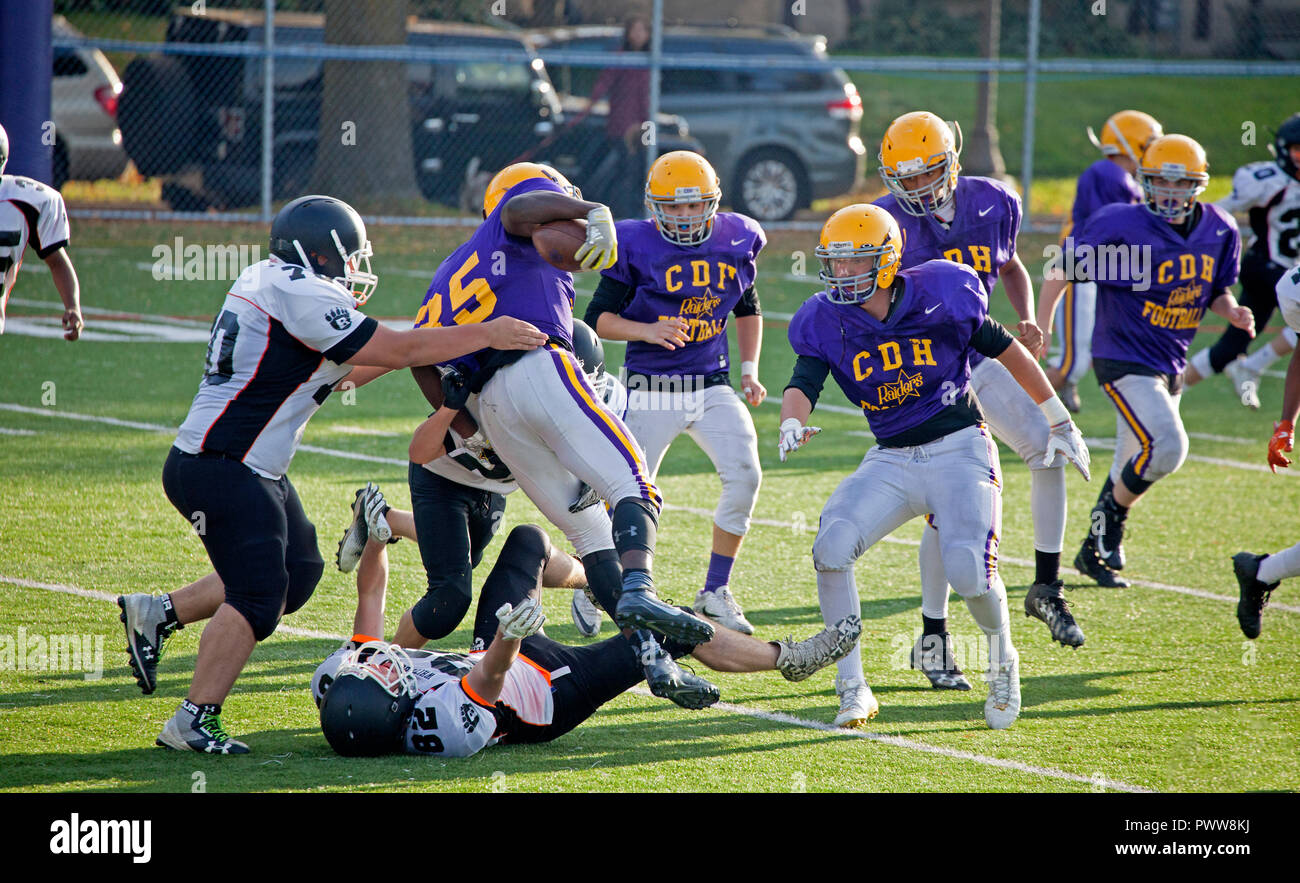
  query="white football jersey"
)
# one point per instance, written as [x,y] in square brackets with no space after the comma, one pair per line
[449,720]
[1288,297]
[1272,199]
[29,212]
[277,349]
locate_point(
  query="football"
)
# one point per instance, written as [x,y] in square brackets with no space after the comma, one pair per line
[557,242]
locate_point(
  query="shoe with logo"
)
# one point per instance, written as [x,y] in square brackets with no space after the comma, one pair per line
[586,613]
[934,656]
[720,605]
[148,627]
[668,680]
[1046,601]
[857,703]
[198,728]
[1089,563]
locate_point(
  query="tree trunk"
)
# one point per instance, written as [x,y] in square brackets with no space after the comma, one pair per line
[364,150]
[983,155]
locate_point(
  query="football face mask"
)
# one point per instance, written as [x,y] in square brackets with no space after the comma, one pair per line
[386,664]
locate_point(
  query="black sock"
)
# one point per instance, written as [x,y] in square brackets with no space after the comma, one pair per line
[604,577]
[1047,567]
[933,626]
[169,611]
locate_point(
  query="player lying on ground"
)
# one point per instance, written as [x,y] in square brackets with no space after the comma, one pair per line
[1113,178]
[286,335]
[899,344]
[1259,575]
[33,212]
[679,276]
[975,221]
[520,686]
[1185,261]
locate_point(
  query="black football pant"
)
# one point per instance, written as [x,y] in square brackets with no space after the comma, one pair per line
[1259,278]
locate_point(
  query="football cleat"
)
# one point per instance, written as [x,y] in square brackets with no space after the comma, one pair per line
[642,609]
[193,728]
[939,665]
[1069,395]
[720,605]
[587,497]
[796,661]
[1047,602]
[1089,563]
[586,613]
[1003,705]
[1254,594]
[1244,381]
[668,680]
[857,703]
[147,631]
[1109,541]
[368,508]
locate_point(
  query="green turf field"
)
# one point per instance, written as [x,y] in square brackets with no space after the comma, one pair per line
[1165,695]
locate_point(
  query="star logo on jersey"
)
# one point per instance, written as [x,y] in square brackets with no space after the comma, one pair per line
[906,386]
[469,717]
[339,319]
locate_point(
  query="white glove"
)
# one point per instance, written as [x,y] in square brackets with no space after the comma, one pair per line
[520,622]
[600,251]
[794,435]
[1066,439]
[376,523]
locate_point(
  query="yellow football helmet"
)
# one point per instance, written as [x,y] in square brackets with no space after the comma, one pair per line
[1173,172]
[918,143]
[855,232]
[683,177]
[522,171]
[1129,132]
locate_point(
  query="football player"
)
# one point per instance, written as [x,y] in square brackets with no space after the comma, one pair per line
[1270,193]
[899,343]
[1184,260]
[31,212]
[544,420]
[679,275]
[1110,179]
[517,686]
[974,221]
[1259,575]
[286,334]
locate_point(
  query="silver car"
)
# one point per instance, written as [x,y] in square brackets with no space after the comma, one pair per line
[83,96]
[778,138]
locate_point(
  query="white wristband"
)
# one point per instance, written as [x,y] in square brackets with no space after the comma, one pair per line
[1054,411]
[750,368]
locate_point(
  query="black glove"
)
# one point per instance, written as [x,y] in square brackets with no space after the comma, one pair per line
[455,389]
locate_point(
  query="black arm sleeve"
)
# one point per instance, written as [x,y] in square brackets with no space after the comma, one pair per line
[809,377]
[992,339]
[748,304]
[611,296]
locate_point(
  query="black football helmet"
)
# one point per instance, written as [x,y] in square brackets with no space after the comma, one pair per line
[591,353]
[4,149]
[1287,135]
[366,709]
[328,237]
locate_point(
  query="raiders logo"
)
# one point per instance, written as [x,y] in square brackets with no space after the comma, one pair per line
[339,318]
[469,717]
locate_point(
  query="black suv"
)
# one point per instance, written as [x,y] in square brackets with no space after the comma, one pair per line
[196,120]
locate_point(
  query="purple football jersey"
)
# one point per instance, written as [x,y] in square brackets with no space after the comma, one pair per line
[1101,184]
[495,274]
[698,283]
[1137,250]
[908,368]
[982,234]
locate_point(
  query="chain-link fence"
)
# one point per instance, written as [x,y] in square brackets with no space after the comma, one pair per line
[406,107]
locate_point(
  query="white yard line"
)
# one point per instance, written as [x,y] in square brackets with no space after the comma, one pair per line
[775,717]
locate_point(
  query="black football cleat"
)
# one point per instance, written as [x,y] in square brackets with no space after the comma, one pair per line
[668,680]
[1046,601]
[933,655]
[642,609]
[1089,563]
[1254,594]
[1109,543]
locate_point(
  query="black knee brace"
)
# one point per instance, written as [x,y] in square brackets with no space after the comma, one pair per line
[636,525]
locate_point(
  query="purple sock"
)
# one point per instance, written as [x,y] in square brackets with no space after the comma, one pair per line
[719,571]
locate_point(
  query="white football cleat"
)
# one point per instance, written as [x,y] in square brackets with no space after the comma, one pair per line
[1003,705]
[367,519]
[857,703]
[1244,381]
[586,613]
[721,607]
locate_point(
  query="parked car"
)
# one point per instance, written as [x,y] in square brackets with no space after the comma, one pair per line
[778,138]
[83,99]
[197,120]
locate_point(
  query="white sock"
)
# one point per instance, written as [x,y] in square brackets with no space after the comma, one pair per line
[1280,565]
[934,580]
[1201,362]
[1259,361]
[838,595]
[1290,336]
[1047,505]
[989,611]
